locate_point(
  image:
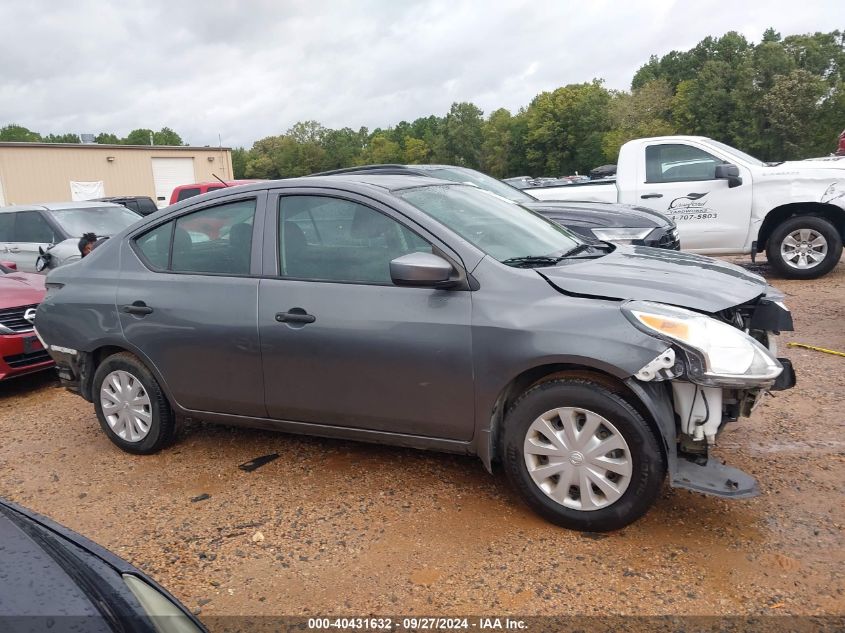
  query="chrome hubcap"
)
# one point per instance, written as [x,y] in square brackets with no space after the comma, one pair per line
[577,458]
[803,248]
[126,406]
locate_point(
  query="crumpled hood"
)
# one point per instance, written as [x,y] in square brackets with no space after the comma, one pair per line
[20,289]
[656,274]
[600,214]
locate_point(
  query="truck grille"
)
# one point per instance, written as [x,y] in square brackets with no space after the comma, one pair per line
[23,360]
[13,319]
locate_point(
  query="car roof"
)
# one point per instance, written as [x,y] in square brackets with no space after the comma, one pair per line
[58,206]
[386,167]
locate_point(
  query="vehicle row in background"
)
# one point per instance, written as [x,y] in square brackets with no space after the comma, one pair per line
[621,224]
[55,228]
[726,202]
[142,205]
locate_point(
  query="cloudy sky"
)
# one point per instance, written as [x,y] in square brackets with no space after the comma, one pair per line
[250,69]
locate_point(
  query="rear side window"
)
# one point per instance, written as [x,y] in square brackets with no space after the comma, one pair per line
[155,245]
[213,188]
[679,163]
[190,192]
[213,240]
[7,226]
[30,226]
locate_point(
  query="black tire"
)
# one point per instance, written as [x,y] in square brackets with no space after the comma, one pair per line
[813,223]
[162,428]
[648,463]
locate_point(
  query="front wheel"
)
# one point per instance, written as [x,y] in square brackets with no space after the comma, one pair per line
[804,247]
[130,405]
[581,456]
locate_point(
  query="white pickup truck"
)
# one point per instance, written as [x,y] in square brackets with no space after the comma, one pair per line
[727,202]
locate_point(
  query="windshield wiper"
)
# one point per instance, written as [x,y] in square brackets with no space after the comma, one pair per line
[578,249]
[529,261]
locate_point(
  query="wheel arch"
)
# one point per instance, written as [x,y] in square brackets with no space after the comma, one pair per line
[834,214]
[540,374]
[95,357]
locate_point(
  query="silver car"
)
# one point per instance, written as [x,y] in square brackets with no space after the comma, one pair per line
[55,228]
[421,312]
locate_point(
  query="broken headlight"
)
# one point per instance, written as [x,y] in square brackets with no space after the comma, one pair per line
[718,354]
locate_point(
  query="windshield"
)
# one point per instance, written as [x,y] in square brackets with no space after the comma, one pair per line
[463,175]
[748,158]
[500,228]
[99,220]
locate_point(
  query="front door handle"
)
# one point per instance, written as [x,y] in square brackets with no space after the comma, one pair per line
[13,249]
[138,308]
[651,195]
[295,315]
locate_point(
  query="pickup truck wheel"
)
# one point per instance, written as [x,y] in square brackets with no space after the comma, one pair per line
[131,406]
[804,247]
[581,456]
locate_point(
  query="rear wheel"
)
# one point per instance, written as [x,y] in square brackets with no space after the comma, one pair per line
[804,247]
[131,406]
[581,456]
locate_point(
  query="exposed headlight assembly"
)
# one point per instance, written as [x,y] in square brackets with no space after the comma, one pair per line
[621,235]
[165,616]
[718,354]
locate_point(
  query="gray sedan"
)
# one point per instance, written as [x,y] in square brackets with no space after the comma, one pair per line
[419,312]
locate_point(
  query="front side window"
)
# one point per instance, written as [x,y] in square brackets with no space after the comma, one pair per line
[213,240]
[329,239]
[504,230]
[679,163]
[7,227]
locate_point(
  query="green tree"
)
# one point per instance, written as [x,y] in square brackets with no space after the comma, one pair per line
[646,111]
[790,107]
[381,149]
[462,134]
[416,151]
[140,136]
[497,145]
[69,137]
[166,136]
[239,161]
[342,147]
[19,134]
[565,129]
[107,138]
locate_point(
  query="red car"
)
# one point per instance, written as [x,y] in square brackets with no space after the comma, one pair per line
[183,192]
[840,151]
[20,350]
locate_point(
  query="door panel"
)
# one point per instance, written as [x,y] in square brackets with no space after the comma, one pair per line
[196,317]
[360,351]
[678,181]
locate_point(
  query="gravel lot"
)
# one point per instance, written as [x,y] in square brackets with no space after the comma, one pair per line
[335,527]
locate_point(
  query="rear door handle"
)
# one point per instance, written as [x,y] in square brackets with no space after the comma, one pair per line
[651,195]
[296,315]
[138,307]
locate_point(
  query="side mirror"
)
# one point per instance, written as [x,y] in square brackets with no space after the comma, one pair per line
[44,261]
[9,265]
[421,269]
[730,173]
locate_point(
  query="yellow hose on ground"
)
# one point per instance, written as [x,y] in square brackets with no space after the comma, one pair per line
[816,349]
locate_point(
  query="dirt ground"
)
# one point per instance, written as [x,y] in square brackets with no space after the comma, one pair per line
[335,527]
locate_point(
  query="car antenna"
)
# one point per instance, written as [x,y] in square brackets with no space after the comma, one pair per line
[220,179]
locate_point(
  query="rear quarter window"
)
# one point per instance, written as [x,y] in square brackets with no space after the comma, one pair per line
[190,192]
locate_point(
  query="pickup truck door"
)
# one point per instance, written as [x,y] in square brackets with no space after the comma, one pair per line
[677,178]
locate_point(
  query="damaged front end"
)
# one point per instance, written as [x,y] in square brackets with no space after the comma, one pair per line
[719,367]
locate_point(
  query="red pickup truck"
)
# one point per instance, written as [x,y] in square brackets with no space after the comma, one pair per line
[183,192]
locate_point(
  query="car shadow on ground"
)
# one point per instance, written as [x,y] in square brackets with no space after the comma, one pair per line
[28,384]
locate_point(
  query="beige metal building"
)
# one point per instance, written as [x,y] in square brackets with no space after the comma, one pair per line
[56,172]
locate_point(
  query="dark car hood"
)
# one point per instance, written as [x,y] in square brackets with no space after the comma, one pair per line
[20,289]
[656,274]
[600,214]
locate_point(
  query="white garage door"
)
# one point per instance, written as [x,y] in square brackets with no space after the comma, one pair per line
[169,173]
